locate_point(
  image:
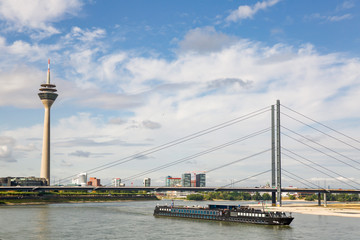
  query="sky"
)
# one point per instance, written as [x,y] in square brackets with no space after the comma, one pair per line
[134,75]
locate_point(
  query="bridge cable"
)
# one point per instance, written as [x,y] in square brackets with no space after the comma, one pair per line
[329,170]
[321,145]
[322,124]
[323,131]
[175,142]
[239,160]
[321,151]
[320,170]
[282,169]
[195,155]
[297,180]
[245,138]
[246,178]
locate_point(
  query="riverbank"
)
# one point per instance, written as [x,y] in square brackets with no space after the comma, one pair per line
[50,199]
[333,209]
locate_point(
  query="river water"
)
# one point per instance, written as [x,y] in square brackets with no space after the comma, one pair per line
[134,220]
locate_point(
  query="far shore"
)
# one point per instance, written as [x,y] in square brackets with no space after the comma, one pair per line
[49,202]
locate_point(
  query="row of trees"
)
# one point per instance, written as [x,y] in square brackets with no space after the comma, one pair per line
[341,197]
[228,196]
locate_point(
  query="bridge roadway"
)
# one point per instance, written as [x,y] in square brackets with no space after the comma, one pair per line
[180,189]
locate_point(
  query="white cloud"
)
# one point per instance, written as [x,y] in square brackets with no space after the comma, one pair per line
[37,15]
[26,148]
[205,40]
[334,18]
[118,121]
[345,5]
[79,153]
[20,84]
[339,18]
[6,149]
[246,11]
[21,52]
[86,35]
[151,125]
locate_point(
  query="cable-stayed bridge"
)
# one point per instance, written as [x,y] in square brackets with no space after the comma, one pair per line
[286,156]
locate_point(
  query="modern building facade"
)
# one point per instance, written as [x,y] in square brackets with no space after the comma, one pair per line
[147,182]
[172,182]
[116,182]
[47,95]
[201,180]
[186,180]
[93,181]
[22,181]
[80,180]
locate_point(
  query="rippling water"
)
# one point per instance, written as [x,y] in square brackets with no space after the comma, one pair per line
[134,220]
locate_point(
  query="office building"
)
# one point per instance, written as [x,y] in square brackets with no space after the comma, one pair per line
[172,182]
[93,181]
[116,182]
[200,180]
[22,181]
[80,180]
[147,182]
[186,180]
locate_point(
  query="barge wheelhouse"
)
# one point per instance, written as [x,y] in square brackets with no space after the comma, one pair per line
[229,213]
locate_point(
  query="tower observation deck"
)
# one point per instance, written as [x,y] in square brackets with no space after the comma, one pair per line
[47,95]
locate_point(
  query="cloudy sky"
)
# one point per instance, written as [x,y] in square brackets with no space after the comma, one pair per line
[135,75]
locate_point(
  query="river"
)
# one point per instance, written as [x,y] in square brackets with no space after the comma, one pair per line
[134,220]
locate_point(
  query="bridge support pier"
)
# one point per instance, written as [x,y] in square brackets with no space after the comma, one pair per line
[319,199]
[325,201]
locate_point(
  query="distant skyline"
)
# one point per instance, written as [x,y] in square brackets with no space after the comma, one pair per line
[132,75]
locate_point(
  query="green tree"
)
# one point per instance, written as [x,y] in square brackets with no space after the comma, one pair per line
[246,196]
[266,196]
[311,197]
[292,197]
[354,197]
[257,196]
[330,197]
[195,197]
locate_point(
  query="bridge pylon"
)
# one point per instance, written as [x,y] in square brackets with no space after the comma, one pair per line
[278,154]
[273,155]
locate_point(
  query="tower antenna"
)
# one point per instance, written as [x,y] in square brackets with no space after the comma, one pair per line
[48,73]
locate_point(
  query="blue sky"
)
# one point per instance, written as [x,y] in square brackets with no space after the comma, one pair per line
[132,75]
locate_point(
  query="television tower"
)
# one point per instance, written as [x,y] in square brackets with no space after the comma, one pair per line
[47,95]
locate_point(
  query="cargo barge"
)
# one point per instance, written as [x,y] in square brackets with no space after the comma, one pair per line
[228,213]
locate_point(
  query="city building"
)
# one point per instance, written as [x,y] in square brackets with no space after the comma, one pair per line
[201,180]
[47,95]
[172,182]
[116,182]
[80,180]
[93,181]
[186,180]
[147,182]
[22,181]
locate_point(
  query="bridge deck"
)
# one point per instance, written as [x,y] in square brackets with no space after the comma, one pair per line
[180,189]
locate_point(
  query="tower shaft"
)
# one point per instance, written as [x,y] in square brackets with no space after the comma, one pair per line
[45,159]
